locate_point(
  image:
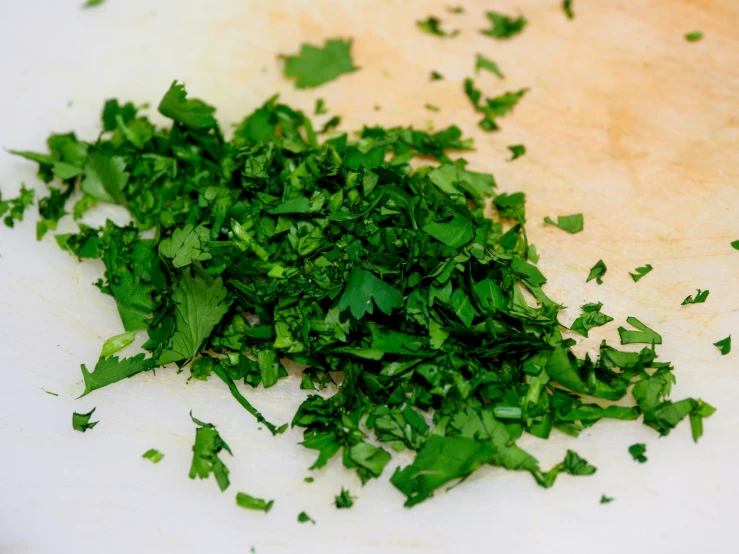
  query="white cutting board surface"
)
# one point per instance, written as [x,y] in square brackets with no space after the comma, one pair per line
[625,122]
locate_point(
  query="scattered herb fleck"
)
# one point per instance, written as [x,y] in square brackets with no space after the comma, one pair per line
[116,343]
[517,150]
[81,422]
[735,245]
[591,317]
[92,3]
[484,63]
[567,7]
[644,335]
[16,207]
[436,76]
[303,518]
[640,272]
[320,107]
[432,26]
[49,392]
[724,345]
[491,108]
[597,272]
[637,452]
[153,455]
[694,36]
[504,26]
[344,499]
[315,66]
[455,9]
[205,460]
[606,499]
[571,223]
[251,503]
[700,297]
[309,479]
[431,108]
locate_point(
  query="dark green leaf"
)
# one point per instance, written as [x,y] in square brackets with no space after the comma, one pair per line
[517,150]
[700,297]
[504,26]
[432,26]
[597,272]
[640,272]
[362,289]
[724,345]
[81,422]
[111,370]
[315,66]
[344,499]
[637,452]
[205,460]
[567,7]
[193,113]
[643,336]
[303,518]
[571,223]
[484,63]
[694,36]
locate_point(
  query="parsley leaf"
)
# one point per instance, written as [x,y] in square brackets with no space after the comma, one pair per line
[700,297]
[251,503]
[597,272]
[724,345]
[484,63]
[81,422]
[208,444]
[432,26]
[644,335]
[112,369]
[200,304]
[153,455]
[517,150]
[362,289]
[186,245]
[591,317]
[16,207]
[315,66]
[92,3]
[504,26]
[694,36]
[492,108]
[571,223]
[735,245]
[606,499]
[193,113]
[436,76]
[640,272]
[344,499]
[567,7]
[637,452]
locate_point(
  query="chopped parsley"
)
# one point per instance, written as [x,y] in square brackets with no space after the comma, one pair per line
[344,499]
[49,392]
[320,107]
[567,8]
[314,66]
[517,150]
[304,518]
[484,63]
[735,245]
[700,297]
[16,207]
[504,26]
[640,272]
[571,223]
[381,276]
[606,499]
[153,455]
[694,36]
[455,9]
[92,3]
[432,26]
[431,108]
[597,272]
[81,422]
[724,345]
[436,76]
[637,452]
[251,503]
[491,108]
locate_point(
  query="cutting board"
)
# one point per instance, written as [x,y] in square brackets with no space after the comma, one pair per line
[625,122]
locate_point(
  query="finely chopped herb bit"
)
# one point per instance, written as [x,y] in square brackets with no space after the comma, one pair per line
[251,503]
[484,63]
[591,317]
[81,422]
[315,66]
[304,518]
[735,245]
[436,76]
[344,499]
[504,26]
[606,499]
[700,297]
[640,272]
[517,150]
[16,207]
[432,26]
[724,345]
[153,455]
[491,108]
[571,223]
[694,36]
[597,272]
[637,452]
[567,8]
[420,320]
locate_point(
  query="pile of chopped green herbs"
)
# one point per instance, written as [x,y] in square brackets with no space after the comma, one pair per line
[423,323]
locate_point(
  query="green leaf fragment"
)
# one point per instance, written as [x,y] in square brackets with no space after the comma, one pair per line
[432,26]
[315,66]
[192,113]
[251,503]
[304,518]
[606,499]
[694,36]
[567,8]
[484,63]
[571,223]
[724,345]
[116,343]
[517,150]
[637,452]
[644,335]
[504,26]
[700,297]
[153,455]
[205,460]
[344,499]
[597,272]
[81,422]
[640,272]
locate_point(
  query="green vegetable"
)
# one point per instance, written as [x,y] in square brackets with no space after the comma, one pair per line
[365,257]
[436,76]
[81,422]
[116,343]
[517,150]
[49,392]
[694,36]
[431,108]
[591,317]
[491,108]
[644,335]
[251,503]
[92,3]
[308,479]
[455,9]
[504,26]
[484,63]
[432,26]
[735,245]
[153,455]
[597,272]
[315,66]
[303,518]
[320,107]
[571,223]
[700,297]
[344,499]
[640,272]
[637,452]
[205,460]
[567,7]
[606,499]
[724,345]
[16,207]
